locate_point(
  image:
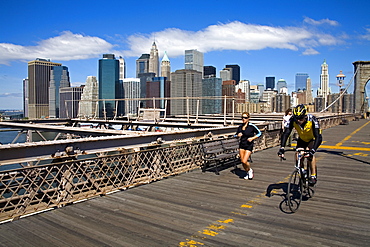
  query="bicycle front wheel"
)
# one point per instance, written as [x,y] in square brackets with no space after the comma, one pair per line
[294,191]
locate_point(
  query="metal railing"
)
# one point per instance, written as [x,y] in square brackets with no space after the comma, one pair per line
[33,189]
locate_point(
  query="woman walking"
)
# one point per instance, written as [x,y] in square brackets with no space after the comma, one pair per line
[247,132]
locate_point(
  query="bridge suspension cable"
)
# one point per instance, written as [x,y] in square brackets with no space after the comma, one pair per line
[341,94]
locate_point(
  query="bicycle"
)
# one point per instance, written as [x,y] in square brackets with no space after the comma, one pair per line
[298,182]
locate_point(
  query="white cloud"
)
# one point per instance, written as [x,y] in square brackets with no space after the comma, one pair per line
[367,35]
[230,36]
[310,51]
[67,46]
[320,22]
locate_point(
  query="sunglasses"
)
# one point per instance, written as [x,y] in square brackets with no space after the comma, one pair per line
[245,117]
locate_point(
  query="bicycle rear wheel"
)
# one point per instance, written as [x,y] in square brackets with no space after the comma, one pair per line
[294,191]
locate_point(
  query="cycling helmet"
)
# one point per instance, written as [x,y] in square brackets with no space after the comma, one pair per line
[300,111]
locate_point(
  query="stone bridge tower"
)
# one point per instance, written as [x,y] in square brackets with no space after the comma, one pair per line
[361,79]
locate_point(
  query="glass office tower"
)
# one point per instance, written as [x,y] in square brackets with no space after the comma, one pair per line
[300,81]
[110,87]
[59,78]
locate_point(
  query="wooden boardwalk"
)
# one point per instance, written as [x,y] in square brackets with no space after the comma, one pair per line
[203,209]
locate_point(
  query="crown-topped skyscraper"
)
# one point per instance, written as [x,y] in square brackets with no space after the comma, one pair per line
[154,60]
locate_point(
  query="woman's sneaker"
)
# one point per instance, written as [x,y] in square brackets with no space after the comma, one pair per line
[250,174]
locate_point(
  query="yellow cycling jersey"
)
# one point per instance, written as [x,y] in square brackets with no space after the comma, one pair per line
[306,132]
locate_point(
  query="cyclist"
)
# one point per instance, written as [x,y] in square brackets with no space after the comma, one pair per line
[310,137]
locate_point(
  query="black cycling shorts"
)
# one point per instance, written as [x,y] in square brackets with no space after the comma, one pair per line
[303,144]
[247,146]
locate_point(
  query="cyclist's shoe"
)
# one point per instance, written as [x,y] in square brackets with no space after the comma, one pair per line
[246,176]
[312,181]
[250,174]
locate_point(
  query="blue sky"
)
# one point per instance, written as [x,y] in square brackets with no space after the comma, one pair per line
[266,38]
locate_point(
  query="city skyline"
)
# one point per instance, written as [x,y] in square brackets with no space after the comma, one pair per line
[268,38]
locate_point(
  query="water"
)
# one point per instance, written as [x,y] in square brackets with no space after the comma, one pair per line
[7,137]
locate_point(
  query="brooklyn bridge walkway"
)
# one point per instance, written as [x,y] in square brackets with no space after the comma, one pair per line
[204,209]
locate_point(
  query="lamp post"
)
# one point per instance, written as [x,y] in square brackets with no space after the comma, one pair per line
[340,83]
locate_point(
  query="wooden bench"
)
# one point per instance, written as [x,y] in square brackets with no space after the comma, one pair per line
[219,152]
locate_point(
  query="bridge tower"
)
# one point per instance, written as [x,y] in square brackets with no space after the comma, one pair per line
[361,79]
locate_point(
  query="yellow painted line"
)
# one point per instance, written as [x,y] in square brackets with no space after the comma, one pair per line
[341,147]
[354,132]
[226,221]
[345,148]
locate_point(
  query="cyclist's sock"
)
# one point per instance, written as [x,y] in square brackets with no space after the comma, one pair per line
[313,174]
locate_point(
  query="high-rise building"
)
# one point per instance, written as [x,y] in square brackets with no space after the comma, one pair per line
[244,86]
[185,83]
[324,89]
[159,87]
[131,88]
[154,60]
[142,64]
[209,71]
[166,67]
[270,82]
[235,72]
[89,98]
[59,78]
[228,90]
[309,91]
[212,88]
[144,79]
[281,84]
[300,81]
[25,97]
[69,101]
[194,60]
[39,72]
[261,88]
[122,68]
[110,87]
[267,96]
[225,74]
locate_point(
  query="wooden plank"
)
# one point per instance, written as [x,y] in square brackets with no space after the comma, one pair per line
[203,209]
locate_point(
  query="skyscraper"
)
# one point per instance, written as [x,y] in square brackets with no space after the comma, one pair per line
[194,60]
[110,87]
[300,81]
[324,89]
[122,68]
[166,67]
[154,60]
[235,72]
[185,83]
[25,97]
[89,98]
[131,88]
[39,72]
[69,101]
[309,91]
[270,82]
[209,71]
[225,74]
[212,87]
[142,64]
[281,84]
[59,78]
[244,86]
